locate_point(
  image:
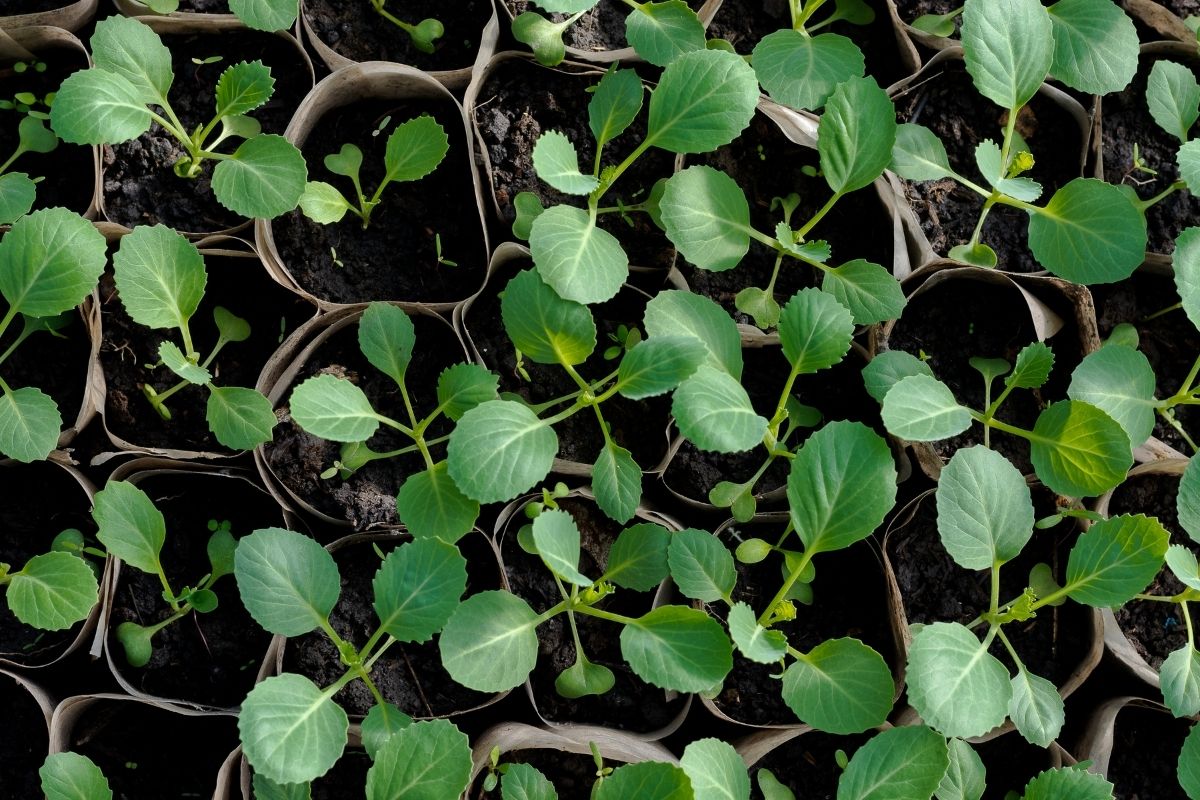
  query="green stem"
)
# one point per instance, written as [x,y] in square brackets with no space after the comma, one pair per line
[825,209]
[793,576]
[1011,650]
[608,615]
[1143,205]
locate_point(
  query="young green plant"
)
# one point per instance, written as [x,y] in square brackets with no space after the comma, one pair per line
[659,30]
[18,191]
[54,590]
[423,34]
[261,15]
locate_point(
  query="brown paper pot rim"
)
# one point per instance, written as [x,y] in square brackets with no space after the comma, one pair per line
[1096,742]
[70,15]
[1163,21]
[614,745]
[455,78]
[361,81]
[216,21]
[915,36]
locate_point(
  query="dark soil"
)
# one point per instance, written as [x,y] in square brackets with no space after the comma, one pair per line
[1145,753]
[396,257]
[519,102]
[950,107]
[368,497]
[639,426]
[410,676]
[632,704]
[1181,8]
[1011,762]
[849,601]
[602,28]
[355,31]
[130,741]
[345,780]
[1154,629]
[205,6]
[807,764]
[37,502]
[767,165]
[31,6]
[140,187]
[239,284]
[56,364]
[24,747]
[1170,342]
[211,659]
[573,775]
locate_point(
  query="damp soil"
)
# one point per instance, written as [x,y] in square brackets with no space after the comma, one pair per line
[518,102]
[849,600]
[241,285]
[1145,754]
[639,426]
[961,118]
[1010,763]
[211,659]
[1181,8]
[768,165]
[205,6]
[601,28]
[408,675]
[14,7]
[572,774]
[139,185]
[37,502]
[345,780]
[355,31]
[368,497]
[808,764]
[396,257]
[632,704]
[23,750]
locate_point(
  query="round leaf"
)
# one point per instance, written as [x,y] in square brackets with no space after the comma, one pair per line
[716,770]
[287,581]
[1089,232]
[490,643]
[333,408]
[386,336]
[897,764]
[160,276]
[856,135]
[431,506]
[423,761]
[662,31]
[984,509]
[29,424]
[840,686]
[1120,382]
[498,450]
[53,591]
[1115,559]
[557,163]
[704,99]
[753,640]
[1009,49]
[706,216]
[713,411]
[240,418]
[291,731]
[701,566]
[49,261]
[1036,708]
[677,648]
[1078,450]
[802,71]
[920,408]
[580,261]
[265,177]
[417,588]
[945,655]
[70,776]
[1095,46]
[543,326]
[815,331]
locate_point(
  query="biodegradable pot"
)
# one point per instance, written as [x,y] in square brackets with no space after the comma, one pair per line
[919,37]
[126,737]
[850,598]
[637,425]
[290,465]
[68,15]
[942,97]
[1135,743]
[139,185]
[235,275]
[215,20]
[206,662]
[454,73]
[42,499]
[632,705]
[956,312]
[334,267]
[27,708]
[410,676]
[1161,19]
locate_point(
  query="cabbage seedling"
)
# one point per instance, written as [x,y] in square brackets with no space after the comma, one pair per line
[111,103]
[423,34]
[261,15]
[17,190]
[414,149]
[160,276]
[70,776]
[54,590]
[658,31]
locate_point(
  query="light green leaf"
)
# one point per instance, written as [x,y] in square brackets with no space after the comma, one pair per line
[713,411]
[987,158]
[655,366]
[888,368]
[230,326]
[287,581]
[291,731]
[966,778]
[753,640]
[431,506]
[580,261]
[1184,565]
[701,566]
[637,559]
[557,163]
[334,409]
[1180,676]
[648,780]
[95,106]
[543,37]
[35,136]
[71,776]
[704,99]
[856,135]
[1089,232]
[382,722]
[897,764]
[160,276]
[1033,366]
[815,331]
[1120,382]
[1095,46]
[678,648]
[523,782]
[266,15]
[567,6]
[463,386]
[556,537]
[662,31]
[414,149]
[130,49]
[545,327]
[267,789]
[920,408]
[490,643]
[263,178]
[840,686]
[954,683]
[716,770]
[1188,159]
[240,418]
[1078,450]
[500,449]
[771,788]
[174,360]
[706,216]
[617,482]
[387,337]
[1009,49]
[1187,501]
[1115,559]
[243,87]
[29,424]
[49,261]
[423,761]
[417,588]
[53,591]
[673,312]
[17,193]
[614,105]
[1186,263]
[984,509]
[129,526]
[870,292]
[1173,96]
[584,678]
[322,203]
[1188,770]
[919,154]
[1068,783]
[1036,708]
[802,71]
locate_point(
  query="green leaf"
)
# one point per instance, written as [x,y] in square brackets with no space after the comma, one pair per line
[815,331]
[1095,46]
[71,776]
[1078,450]
[1184,565]
[240,418]
[1068,783]
[704,99]
[919,154]
[888,368]
[870,292]
[545,327]
[921,408]
[649,780]
[1115,559]
[1089,232]
[1173,96]
[174,359]
[662,31]
[431,506]
[674,312]
[263,178]
[614,105]
[29,424]
[758,304]
[653,367]
[230,326]
[987,158]
[129,526]
[35,137]
[713,411]
[96,106]
[243,87]
[1036,708]
[17,193]
[345,161]
[417,588]
[637,559]
[617,482]
[701,566]
[414,149]
[706,216]
[716,770]
[954,683]
[556,537]
[753,640]
[490,643]
[1188,770]
[1120,382]
[557,163]
[897,764]
[977,255]
[1008,46]
[130,49]
[49,261]
[841,485]
[334,409]
[580,261]
[500,449]
[567,6]
[423,761]
[386,336]
[984,509]
[266,15]
[523,782]
[1180,676]
[53,591]
[160,276]
[678,648]
[322,203]
[802,71]
[136,643]
[267,789]
[543,37]
[291,731]
[840,686]
[1188,159]
[966,778]
[1186,263]
[771,788]
[287,581]
[463,386]
[220,550]
[1033,366]
[856,135]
